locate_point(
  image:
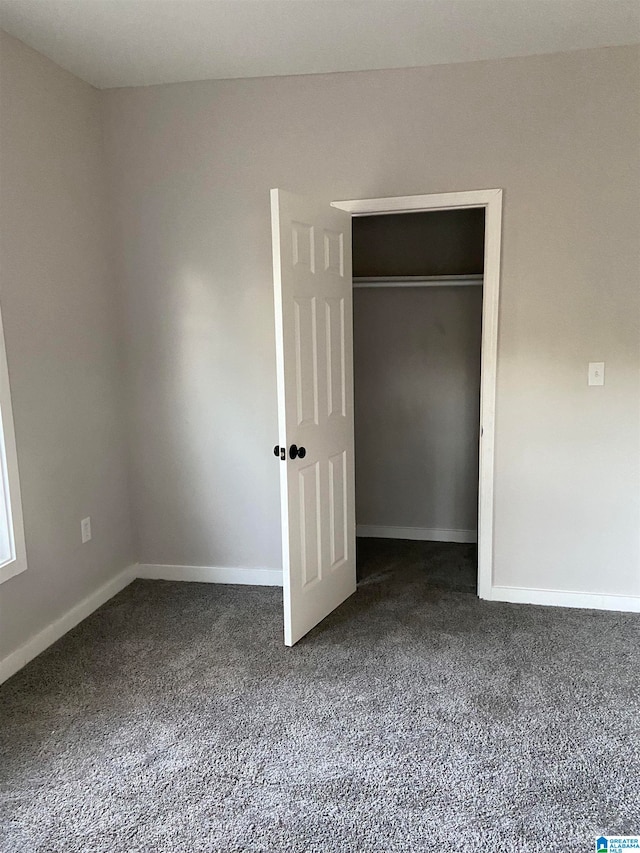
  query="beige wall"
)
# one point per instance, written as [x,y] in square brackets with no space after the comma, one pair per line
[417,406]
[62,344]
[190,169]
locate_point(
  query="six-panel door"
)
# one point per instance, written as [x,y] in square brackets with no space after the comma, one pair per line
[314,344]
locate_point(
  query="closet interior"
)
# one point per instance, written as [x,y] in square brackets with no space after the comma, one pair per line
[417,297]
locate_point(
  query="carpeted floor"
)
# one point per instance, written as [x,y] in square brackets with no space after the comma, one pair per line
[412,719]
[442,565]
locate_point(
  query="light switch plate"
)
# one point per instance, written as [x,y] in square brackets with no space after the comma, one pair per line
[85,529]
[596,373]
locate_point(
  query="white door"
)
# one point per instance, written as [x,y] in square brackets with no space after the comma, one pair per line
[314,346]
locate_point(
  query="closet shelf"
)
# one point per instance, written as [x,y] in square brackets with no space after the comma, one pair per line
[417,280]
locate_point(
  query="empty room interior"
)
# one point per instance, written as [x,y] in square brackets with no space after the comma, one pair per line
[319,425]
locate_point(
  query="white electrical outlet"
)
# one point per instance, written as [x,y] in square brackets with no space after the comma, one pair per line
[85,528]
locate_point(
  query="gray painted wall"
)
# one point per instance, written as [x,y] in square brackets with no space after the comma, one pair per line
[190,169]
[60,322]
[417,406]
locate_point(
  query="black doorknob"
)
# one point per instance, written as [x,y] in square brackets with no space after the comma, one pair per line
[294,451]
[280,451]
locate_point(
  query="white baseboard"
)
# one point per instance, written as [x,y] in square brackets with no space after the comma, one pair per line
[273,577]
[427,534]
[45,638]
[562,598]
[57,629]
[210,574]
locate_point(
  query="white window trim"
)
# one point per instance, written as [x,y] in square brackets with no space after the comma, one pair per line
[9,476]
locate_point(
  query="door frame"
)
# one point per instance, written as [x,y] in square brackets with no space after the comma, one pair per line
[491,201]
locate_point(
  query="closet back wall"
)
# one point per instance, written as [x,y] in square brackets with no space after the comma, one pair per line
[417,406]
[438,242]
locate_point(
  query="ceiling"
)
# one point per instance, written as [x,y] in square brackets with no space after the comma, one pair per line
[113,43]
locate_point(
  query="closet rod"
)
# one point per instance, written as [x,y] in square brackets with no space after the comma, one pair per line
[417,280]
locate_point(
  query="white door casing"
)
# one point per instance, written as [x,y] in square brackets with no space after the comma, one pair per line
[314,353]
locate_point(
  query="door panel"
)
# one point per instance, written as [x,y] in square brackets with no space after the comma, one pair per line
[338,530]
[336,369]
[314,346]
[306,361]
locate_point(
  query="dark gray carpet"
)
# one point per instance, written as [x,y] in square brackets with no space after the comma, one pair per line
[443,565]
[412,719]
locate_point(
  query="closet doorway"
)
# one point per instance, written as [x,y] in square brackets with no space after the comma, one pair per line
[487,205]
[417,316]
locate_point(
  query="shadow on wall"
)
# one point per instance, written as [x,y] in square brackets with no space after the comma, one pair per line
[200,367]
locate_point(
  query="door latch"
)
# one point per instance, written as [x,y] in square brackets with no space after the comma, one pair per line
[280,451]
